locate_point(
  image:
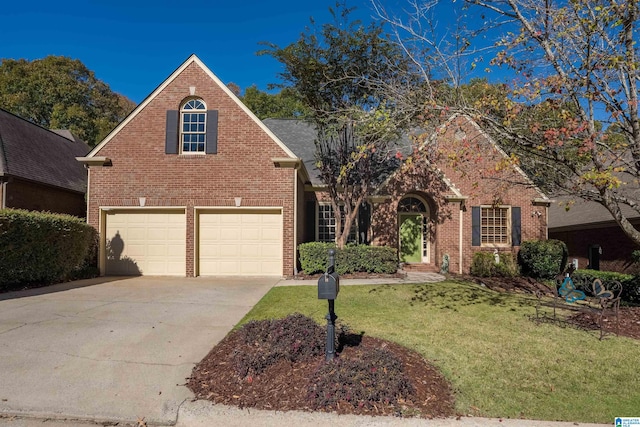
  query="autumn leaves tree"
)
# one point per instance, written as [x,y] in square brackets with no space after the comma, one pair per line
[570,110]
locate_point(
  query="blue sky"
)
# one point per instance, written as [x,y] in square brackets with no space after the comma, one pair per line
[134,45]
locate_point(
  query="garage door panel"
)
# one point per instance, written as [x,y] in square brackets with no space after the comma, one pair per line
[153,242]
[240,243]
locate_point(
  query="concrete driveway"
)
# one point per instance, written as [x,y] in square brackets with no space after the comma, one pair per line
[114,350]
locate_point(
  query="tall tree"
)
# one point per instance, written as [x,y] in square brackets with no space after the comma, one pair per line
[343,72]
[572,107]
[60,92]
[285,104]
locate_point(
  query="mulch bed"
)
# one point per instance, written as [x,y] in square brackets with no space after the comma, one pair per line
[284,386]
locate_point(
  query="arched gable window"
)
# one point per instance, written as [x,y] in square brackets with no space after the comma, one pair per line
[193,119]
[192,129]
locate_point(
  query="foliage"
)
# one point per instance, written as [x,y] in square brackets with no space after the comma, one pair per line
[352,258]
[283,105]
[293,338]
[42,248]
[484,343]
[630,283]
[376,378]
[61,93]
[571,111]
[543,259]
[484,264]
[342,72]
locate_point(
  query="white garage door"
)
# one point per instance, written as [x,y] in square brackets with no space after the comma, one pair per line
[246,243]
[146,242]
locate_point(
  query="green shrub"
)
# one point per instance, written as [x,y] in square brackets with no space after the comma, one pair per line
[43,248]
[267,342]
[543,259]
[583,280]
[353,258]
[484,264]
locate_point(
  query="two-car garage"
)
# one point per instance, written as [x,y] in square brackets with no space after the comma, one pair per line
[153,241]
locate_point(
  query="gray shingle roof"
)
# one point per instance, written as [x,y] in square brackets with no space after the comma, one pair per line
[37,154]
[581,213]
[300,137]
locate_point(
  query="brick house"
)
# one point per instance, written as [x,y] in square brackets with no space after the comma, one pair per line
[192,183]
[593,238]
[38,170]
[466,198]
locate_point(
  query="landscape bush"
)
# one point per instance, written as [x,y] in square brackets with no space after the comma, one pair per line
[353,258]
[583,280]
[43,248]
[293,338]
[375,378]
[483,264]
[543,259]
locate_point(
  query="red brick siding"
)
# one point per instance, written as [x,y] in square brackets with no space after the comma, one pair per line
[468,160]
[241,168]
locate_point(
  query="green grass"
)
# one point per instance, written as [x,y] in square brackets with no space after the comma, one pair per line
[500,363]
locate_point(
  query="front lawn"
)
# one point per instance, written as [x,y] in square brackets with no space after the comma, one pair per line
[500,363]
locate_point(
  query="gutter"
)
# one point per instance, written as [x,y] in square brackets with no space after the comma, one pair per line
[3,193]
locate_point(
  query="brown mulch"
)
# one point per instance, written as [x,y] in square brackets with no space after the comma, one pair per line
[284,386]
[627,324]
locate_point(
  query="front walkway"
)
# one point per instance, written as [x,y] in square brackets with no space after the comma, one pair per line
[412,277]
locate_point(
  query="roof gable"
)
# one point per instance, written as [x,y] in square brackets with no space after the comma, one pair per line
[34,153]
[193,59]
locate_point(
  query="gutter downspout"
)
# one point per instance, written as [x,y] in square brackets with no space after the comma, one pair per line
[295,219]
[3,202]
[460,237]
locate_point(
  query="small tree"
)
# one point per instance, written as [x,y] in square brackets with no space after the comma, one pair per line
[344,72]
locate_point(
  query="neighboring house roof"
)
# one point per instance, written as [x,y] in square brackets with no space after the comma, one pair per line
[192,59]
[582,214]
[34,153]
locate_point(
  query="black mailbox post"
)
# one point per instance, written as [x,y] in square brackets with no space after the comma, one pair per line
[328,288]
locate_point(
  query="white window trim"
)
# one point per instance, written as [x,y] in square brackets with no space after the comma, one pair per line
[354,225]
[509,237]
[182,132]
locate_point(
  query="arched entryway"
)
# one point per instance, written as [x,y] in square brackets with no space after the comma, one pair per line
[413,230]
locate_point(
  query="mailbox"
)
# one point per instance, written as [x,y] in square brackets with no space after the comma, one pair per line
[329,283]
[328,286]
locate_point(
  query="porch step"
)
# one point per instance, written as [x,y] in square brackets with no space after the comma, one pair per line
[420,268]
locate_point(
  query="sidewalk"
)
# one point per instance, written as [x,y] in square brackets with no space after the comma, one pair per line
[204,414]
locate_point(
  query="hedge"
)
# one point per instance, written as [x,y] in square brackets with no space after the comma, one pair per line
[43,248]
[583,280]
[314,258]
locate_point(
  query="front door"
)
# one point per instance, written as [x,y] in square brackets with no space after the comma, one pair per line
[411,237]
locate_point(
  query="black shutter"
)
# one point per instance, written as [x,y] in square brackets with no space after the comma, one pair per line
[171,136]
[212,132]
[475,226]
[516,227]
